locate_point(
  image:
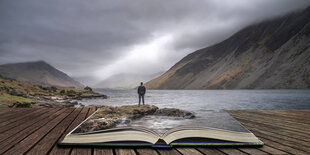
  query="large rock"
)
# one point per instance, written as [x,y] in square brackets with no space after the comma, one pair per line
[90,95]
[131,112]
[175,113]
[18,104]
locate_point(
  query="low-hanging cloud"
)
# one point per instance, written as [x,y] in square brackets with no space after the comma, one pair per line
[99,38]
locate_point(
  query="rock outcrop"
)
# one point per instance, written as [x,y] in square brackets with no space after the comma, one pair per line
[17,94]
[108,117]
[174,112]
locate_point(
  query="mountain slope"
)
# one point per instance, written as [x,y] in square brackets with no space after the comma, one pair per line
[125,81]
[38,72]
[271,54]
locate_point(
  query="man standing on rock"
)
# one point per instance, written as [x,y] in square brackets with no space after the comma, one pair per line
[141,92]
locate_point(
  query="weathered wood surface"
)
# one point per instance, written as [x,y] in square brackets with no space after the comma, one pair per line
[37,131]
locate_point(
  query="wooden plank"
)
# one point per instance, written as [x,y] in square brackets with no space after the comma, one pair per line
[91,111]
[275,118]
[271,150]
[276,115]
[4,110]
[21,121]
[290,113]
[23,124]
[103,151]
[26,131]
[285,137]
[283,140]
[15,115]
[146,151]
[273,127]
[209,151]
[278,121]
[13,112]
[276,130]
[17,112]
[32,139]
[125,151]
[232,151]
[66,150]
[12,120]
[270,122]
[300,113]
[188,151]
[274,140]
[284,148]
[81,151]
[252,151]
[168,152]
[44,146]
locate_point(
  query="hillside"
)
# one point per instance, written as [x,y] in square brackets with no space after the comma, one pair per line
[125,81]
[272,54]
[38,72]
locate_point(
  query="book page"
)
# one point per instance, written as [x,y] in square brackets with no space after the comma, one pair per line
[209,133]
[112,136]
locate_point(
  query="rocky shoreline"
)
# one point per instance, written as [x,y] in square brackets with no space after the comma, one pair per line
[109,117]
[17,94]
[65,100]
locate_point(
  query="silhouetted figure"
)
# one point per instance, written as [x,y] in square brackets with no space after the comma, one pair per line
[141,92]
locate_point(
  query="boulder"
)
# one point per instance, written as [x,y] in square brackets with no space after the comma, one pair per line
[18,104]
[90,95]
[174,112]
[16,92]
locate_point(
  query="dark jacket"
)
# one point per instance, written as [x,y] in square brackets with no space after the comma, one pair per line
[141,90]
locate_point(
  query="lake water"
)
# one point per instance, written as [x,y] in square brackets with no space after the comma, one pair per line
[204,103]
[200,100]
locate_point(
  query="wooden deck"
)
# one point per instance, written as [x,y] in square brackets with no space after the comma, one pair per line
[37,131]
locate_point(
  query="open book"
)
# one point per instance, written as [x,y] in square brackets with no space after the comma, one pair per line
[200,135]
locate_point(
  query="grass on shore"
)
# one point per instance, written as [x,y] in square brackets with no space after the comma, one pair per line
[11,100]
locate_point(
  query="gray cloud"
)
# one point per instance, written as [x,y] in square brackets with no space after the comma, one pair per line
[98,38]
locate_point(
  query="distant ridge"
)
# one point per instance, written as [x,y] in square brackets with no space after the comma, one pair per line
[125,80]
[38,72]
[273,54]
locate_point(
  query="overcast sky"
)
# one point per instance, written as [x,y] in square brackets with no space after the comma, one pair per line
[99,38]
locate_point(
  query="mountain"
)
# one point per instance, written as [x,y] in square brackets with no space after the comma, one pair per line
[125,81]
[38,72]
[273,54]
